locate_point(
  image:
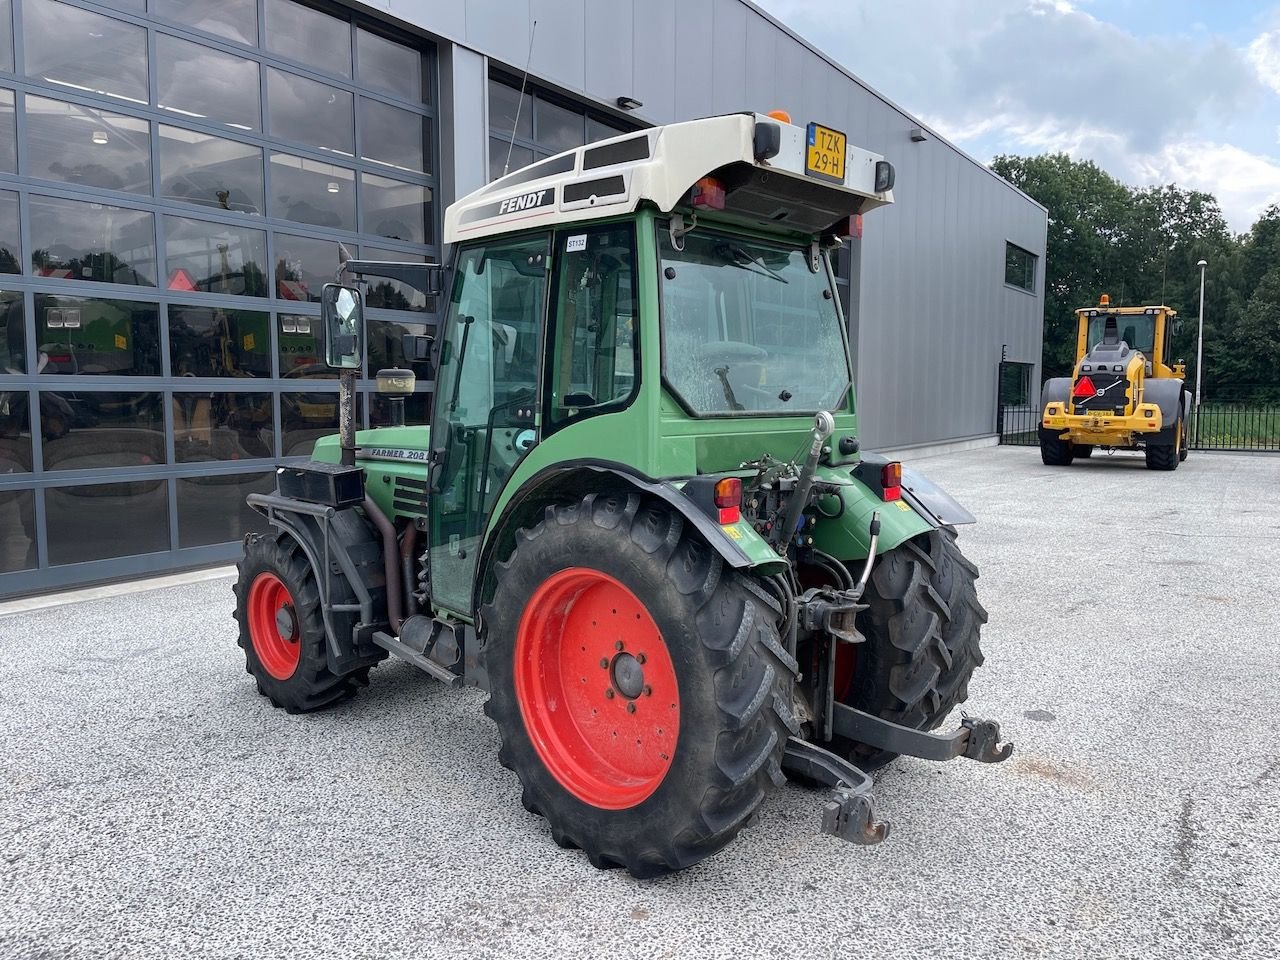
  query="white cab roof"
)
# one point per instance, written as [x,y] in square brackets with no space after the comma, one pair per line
[658,165]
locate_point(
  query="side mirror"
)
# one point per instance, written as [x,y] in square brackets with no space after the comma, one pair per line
[342,315]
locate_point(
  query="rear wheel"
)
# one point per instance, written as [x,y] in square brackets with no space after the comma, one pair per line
[640,686]
[282,630]
[1054,451]
[1167,456]
[922,630]
[1081,451]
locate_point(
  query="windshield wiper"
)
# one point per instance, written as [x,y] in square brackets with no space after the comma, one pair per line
[733,254]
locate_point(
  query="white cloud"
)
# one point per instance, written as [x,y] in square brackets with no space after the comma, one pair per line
[1032,76]
[1244,183]
[1264,57]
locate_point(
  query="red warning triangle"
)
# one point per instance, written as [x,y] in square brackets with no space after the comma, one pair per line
[179,279]
[1084,389]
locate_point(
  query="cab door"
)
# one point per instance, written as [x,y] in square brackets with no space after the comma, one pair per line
[486,400]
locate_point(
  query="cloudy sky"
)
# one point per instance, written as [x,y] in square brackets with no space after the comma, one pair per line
[1154,91]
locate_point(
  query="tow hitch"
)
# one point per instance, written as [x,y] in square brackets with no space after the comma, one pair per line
[849,814]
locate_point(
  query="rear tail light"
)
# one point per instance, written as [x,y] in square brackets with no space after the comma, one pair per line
[728,499]
[891,481]
[708,193]
[1084,389]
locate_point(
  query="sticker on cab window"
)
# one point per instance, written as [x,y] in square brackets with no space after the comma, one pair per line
[576,243]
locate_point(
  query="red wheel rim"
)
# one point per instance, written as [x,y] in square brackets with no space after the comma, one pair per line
[273,626]
[597,688]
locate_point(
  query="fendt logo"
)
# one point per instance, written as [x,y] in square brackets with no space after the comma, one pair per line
[525,201]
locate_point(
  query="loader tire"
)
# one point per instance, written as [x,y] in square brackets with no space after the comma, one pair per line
[1054,451]
[282,630]
[922,631]
[1167,456]
[1081,451]
[639,684]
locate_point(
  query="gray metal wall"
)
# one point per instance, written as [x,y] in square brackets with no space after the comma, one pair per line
[934,310]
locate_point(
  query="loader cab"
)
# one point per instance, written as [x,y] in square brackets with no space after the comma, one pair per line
[1148,330]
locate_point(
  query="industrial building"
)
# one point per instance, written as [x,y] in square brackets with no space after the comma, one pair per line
[174,177]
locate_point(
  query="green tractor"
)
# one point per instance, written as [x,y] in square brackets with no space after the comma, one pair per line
[640,519]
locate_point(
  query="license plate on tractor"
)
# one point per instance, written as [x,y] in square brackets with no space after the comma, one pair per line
[825,153]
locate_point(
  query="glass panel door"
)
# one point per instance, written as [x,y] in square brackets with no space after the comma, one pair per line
[486,397]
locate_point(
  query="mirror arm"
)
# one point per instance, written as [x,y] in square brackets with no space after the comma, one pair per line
[426,277]
[346,416]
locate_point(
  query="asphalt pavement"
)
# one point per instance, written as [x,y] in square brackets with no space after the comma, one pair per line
[153,805]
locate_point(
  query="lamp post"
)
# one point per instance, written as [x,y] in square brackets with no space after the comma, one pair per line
[1200,345]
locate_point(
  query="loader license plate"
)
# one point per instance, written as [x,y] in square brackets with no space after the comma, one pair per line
[825,155]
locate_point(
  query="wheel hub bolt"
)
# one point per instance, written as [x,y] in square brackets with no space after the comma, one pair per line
[617,645]
[631,708]
[628,675]
[608,693]
[604,663]
[284,622]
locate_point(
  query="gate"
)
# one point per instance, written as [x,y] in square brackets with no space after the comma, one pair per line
[1016,397]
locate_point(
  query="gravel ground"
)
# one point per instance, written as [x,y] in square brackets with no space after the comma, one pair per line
[152,805]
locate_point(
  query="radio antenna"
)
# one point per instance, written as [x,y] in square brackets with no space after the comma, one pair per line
[520,102]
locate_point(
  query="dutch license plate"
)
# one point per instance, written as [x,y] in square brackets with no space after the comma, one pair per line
[824,157]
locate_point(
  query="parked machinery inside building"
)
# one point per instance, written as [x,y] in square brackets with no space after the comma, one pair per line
[640,518]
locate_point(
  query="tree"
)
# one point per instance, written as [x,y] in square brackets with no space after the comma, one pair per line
[1089,212]
[1140,247]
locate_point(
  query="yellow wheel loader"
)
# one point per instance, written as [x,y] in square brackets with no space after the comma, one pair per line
[1125,394]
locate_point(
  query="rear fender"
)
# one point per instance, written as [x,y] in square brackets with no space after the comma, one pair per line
[738,544]
[1169,395]
[1057,390]
[843,528]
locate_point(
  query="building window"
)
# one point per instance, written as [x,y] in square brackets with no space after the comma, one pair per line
[91,336]
[78,240]
[8,136]
[1019,267]
[309,36]
[390,67]
[312,191]
[197,81]
[234,19]
[87,147]
[6,35]
[310,112]
[210,171]
[76,50]
[543,126]
[10,255]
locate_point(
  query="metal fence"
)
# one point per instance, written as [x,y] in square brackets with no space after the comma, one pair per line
[1220,424]
[1236,425]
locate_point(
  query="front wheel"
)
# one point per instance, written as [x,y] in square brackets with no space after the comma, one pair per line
[282,629]
[640,686]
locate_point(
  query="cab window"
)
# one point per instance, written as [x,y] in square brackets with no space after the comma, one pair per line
[593,363]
